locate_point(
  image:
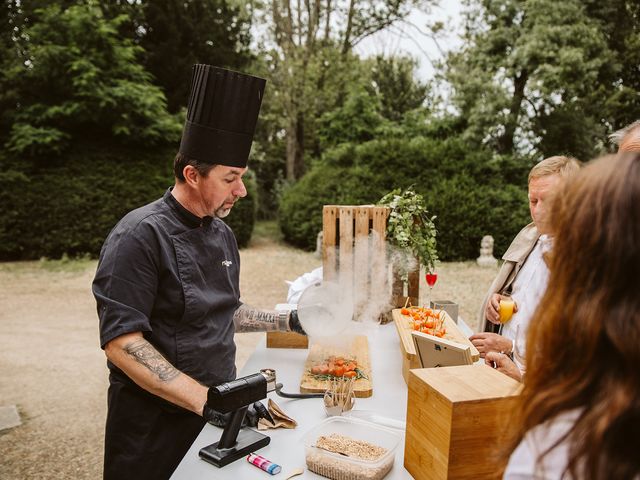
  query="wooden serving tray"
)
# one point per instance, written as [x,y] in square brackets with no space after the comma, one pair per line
[358,350]
[409,358]
[286,340]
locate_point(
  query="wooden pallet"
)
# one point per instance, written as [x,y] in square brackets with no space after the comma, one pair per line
[358,350]
[354,253]
[409,358]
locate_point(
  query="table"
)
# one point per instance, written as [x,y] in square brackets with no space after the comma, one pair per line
[389,400]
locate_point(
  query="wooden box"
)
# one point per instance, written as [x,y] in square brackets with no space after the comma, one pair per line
[457,420]
[410,359]
[286,340]
[354,254]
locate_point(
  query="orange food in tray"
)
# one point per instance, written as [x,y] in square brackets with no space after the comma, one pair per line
[337,367]
[426,320]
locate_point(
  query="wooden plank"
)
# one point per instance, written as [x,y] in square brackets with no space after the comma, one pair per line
[414,285]
[286,340]
[362,264]
[318,353]
[345,252]
[378,250]
[329,265]
[453,333]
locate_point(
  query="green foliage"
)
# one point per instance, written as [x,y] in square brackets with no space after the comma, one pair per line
[175,34]
[242,218]
[410,227]
[300,213]
[471,192]
[70,208]
[394,85]
[77,78]
[355,121]
[530,69]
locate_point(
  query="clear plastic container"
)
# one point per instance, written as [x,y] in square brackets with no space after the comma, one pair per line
[341,467]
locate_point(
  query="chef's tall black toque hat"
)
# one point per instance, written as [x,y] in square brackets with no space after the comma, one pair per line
[221,116]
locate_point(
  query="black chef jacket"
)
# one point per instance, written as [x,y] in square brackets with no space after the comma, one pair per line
[174,277]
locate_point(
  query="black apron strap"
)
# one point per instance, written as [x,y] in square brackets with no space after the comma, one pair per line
[144,440]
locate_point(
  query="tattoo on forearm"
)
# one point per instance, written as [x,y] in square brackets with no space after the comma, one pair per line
[250,319]
[144,353]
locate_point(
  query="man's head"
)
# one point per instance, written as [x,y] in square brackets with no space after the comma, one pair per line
[221,119]
[208,190]
[628,138]
[545,178]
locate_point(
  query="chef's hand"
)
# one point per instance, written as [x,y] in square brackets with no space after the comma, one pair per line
[492,310]
[255,412]
[504,364]
[486,342]
[294,323]
[214,417]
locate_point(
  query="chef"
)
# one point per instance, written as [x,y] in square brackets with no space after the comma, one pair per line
[167,287]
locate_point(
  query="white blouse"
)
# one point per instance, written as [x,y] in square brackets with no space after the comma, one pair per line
[523,461]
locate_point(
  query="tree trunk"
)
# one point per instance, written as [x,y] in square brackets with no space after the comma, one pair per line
[295,147]
[506,141]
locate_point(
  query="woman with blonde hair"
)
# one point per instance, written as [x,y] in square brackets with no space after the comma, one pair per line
[580,407]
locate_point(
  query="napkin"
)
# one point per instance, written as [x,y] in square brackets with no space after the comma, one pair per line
[280,419]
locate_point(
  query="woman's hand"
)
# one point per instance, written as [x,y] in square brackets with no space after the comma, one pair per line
[490,342]
[504,364]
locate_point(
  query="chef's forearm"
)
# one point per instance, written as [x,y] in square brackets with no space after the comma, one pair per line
[250,319]
[141,362]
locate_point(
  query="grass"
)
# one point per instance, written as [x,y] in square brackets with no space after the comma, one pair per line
[267,229]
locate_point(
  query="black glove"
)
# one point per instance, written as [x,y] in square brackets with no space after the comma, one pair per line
[214,417]
[294,323]
[255,412]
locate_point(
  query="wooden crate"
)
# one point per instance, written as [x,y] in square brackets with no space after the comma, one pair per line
[286,340]
[354,253]
[457,420]
[410,359]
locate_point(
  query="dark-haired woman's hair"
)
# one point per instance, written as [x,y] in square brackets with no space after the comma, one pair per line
[583,345]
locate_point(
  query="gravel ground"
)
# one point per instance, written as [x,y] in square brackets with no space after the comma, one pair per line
[52,368]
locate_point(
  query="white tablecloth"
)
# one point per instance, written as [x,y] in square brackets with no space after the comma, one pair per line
[389,400]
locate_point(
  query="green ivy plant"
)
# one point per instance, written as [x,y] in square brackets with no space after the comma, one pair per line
[410,227]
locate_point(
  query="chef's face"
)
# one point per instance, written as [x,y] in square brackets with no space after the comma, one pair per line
[220,189]
[541,192]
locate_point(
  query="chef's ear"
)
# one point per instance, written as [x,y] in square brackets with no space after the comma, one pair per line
[191,175]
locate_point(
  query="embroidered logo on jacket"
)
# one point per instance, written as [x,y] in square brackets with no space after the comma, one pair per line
[227,263]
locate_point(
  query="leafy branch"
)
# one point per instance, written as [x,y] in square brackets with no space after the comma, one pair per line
[410,227]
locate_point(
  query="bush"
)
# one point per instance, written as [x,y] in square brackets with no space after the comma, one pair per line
[242,218]
[71,207]
[467,190]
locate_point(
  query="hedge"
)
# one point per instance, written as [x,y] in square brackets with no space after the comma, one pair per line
[68,206]
[468,191]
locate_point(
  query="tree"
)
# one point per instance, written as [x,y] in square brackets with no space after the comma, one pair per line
[77,78]
[394,83]
[312,41]
[527,72]
[176,34]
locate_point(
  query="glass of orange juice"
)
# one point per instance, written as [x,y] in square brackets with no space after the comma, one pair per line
[506,308]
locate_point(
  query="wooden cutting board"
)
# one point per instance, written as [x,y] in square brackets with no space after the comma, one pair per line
[453,333]
[318,353]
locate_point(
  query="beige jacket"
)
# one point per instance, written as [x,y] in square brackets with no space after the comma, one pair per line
[514,258]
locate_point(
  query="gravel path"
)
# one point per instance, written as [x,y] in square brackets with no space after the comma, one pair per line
[52,368]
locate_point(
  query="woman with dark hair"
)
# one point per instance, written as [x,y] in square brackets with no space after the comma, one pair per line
[580,407]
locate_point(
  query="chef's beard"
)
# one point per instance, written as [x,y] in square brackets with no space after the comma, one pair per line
[222,212]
